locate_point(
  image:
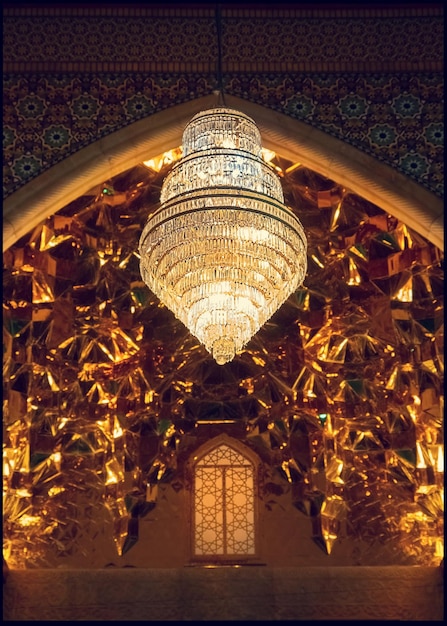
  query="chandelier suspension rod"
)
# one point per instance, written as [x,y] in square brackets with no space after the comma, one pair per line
[220,88]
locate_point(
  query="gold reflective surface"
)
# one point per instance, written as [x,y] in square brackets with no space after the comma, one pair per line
[340,393]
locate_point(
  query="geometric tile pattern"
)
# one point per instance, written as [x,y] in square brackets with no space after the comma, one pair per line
[208,505]
[371,78]
[223,504]
[277,39]
[398,119]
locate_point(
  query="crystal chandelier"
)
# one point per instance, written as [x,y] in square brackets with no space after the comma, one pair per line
[222,252]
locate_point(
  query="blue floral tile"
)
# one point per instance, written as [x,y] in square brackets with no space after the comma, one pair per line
[85,106]
[407,105]
[9,137]
[31,107]
[138,106]
[353,106]
[300,106]
[57,137]
[382,135]
[434,134]
[414,164]
[26,167]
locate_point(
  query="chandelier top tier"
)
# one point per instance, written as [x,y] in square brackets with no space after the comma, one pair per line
[223,252]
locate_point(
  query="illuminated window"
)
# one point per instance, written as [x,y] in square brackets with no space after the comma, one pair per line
[224,504]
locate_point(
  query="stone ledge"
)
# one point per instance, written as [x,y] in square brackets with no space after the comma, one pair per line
[240,594]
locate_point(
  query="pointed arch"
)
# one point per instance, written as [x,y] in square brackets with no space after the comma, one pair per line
[293,139]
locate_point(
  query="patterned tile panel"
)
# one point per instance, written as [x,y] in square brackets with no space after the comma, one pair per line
[250,42]
[369,75]
[397,118]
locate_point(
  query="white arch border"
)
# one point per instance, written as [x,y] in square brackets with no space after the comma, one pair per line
[377,182]
[223,439]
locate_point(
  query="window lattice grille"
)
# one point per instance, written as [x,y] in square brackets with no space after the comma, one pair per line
[224,504]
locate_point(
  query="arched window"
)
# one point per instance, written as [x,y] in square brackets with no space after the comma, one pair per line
[224,503]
